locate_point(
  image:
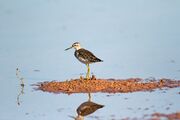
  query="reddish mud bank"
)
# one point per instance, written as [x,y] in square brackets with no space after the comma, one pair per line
[172,116]
[105,85]
[158,116]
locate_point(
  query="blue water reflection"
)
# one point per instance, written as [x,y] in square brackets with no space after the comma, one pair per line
[134,38]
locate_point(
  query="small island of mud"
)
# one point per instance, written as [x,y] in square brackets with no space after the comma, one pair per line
[106,85]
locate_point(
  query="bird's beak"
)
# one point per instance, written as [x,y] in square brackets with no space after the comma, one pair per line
[72,117]
[68,48]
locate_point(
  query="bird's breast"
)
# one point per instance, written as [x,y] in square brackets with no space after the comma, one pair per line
[80,57]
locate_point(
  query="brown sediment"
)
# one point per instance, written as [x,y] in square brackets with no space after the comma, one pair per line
[105,85]
[172,116]
[157,116]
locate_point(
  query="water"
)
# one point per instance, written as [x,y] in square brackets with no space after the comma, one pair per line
[134,38]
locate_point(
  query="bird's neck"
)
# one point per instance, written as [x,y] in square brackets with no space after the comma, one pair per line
[79,117]
[78,47]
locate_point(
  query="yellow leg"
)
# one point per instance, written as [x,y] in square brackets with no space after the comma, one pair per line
[88,72]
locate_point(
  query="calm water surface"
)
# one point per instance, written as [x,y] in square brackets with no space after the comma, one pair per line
[134,38]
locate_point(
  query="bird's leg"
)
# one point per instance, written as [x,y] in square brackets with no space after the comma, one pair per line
[89,96]
[88,72]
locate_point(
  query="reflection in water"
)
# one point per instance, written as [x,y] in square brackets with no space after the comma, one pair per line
[87,108]
[21,92]
[89,97]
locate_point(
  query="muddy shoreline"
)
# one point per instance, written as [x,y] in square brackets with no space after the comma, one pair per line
[105,85]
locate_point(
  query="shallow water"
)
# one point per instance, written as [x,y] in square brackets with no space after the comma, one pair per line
[134,38]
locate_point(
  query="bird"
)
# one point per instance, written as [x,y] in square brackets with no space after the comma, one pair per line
[87,108]
[84,56]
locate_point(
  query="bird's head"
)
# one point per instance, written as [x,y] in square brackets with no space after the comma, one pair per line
[79,117]
[75,45]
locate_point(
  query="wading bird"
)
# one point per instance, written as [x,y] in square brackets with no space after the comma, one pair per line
[84,56]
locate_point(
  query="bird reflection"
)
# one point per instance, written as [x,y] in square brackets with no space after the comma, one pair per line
[21,85]
[87,108]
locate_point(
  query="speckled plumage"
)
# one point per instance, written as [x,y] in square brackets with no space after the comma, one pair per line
[88,107]
[86,56]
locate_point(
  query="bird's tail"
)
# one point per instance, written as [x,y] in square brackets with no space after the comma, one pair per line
[99,60]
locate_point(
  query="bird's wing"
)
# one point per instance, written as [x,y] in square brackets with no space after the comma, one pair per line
[87,108]
[85,54]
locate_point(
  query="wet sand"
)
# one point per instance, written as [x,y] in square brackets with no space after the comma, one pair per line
[106,85]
